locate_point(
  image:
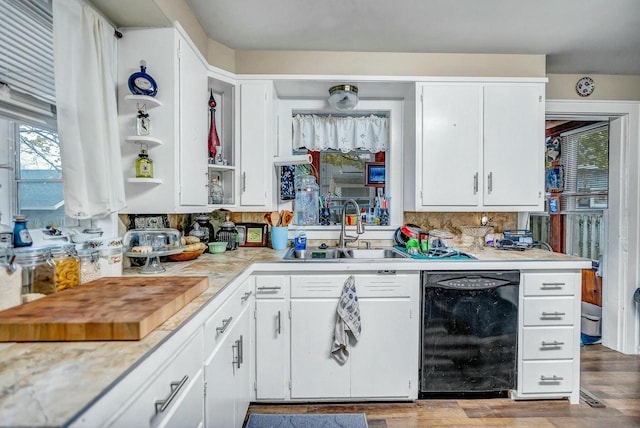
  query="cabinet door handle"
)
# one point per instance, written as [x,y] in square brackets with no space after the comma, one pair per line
[241,351]
[490,182]
[244,182]
[161,405]
[553,378]
[554,343]
[246,296]
[236,355]
[279,329]
[553,314]
[475,183]
[223,327]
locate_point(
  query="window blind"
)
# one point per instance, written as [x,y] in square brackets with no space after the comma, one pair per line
[26,55]
[585,159]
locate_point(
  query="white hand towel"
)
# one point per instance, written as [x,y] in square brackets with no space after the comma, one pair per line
[347,320]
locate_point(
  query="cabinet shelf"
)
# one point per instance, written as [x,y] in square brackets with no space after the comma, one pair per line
[143,139]
[150,101]
[144,180]
[221,167]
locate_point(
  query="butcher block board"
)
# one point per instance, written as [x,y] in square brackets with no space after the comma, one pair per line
[118,308]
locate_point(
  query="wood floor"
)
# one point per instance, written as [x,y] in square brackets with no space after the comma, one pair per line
[611,377]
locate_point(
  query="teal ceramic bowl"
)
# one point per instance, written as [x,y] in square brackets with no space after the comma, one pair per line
[217,247]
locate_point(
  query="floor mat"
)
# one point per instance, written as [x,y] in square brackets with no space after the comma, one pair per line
[328,420]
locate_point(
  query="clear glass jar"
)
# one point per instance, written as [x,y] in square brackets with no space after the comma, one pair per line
[89,265]
[67,265]
[38,270]
[6,234]
[307,199]
[10,280]
[216,194]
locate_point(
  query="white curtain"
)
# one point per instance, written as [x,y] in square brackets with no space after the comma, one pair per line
[85,77]
[344,133]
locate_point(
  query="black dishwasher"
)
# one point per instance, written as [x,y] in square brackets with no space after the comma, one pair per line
[469,333]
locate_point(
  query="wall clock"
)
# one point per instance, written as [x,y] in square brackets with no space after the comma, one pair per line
[585,86]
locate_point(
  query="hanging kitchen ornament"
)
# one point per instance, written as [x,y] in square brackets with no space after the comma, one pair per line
[143,122]
[214,141]
[140,83]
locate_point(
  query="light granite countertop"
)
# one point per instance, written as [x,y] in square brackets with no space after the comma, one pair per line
[48,383]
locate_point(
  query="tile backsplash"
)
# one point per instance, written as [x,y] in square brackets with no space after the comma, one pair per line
[449,221]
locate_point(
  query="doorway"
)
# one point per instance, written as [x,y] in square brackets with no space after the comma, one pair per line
[620,318]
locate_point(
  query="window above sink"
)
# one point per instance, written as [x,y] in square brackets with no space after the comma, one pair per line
[346,171]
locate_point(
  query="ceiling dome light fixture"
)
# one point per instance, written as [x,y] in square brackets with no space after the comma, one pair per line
[343,97]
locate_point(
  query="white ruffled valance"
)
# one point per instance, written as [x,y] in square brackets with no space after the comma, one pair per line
[344,133]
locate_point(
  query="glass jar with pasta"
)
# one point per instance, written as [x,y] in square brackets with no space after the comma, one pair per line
[67,265]
[38,271]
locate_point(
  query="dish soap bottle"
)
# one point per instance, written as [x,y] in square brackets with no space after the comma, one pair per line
[144,165]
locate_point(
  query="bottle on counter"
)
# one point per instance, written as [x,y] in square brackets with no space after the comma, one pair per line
[144,165]
[21,235]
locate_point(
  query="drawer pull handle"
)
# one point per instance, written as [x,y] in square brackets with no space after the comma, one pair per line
[553,378]
[161,405]
[225,324]
[554,343]
[277,287]
[279,329]
[552,285]
[553,314]
[246,296]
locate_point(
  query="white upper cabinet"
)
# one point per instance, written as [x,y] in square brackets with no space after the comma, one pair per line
[178,145]
[193,106]
[479,146]
[257,144]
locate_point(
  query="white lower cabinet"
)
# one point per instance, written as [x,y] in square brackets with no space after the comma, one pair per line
[383,364]
[271,329]
[227,368]
[549,343]
[165,390]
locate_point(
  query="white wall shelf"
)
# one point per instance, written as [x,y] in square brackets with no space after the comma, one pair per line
[143,139]
[150,101]
[144,180]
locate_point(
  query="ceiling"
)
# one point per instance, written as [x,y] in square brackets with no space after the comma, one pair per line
[577,36]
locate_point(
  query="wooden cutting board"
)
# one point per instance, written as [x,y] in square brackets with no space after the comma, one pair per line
[119,308]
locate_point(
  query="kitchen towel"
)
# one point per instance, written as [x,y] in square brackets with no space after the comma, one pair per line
[347,320]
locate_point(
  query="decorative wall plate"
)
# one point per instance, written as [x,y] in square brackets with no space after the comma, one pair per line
[585,86]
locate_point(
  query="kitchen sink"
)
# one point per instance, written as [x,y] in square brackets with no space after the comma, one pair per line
[335,254]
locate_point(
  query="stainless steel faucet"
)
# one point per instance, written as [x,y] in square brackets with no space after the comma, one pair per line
[344,238]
